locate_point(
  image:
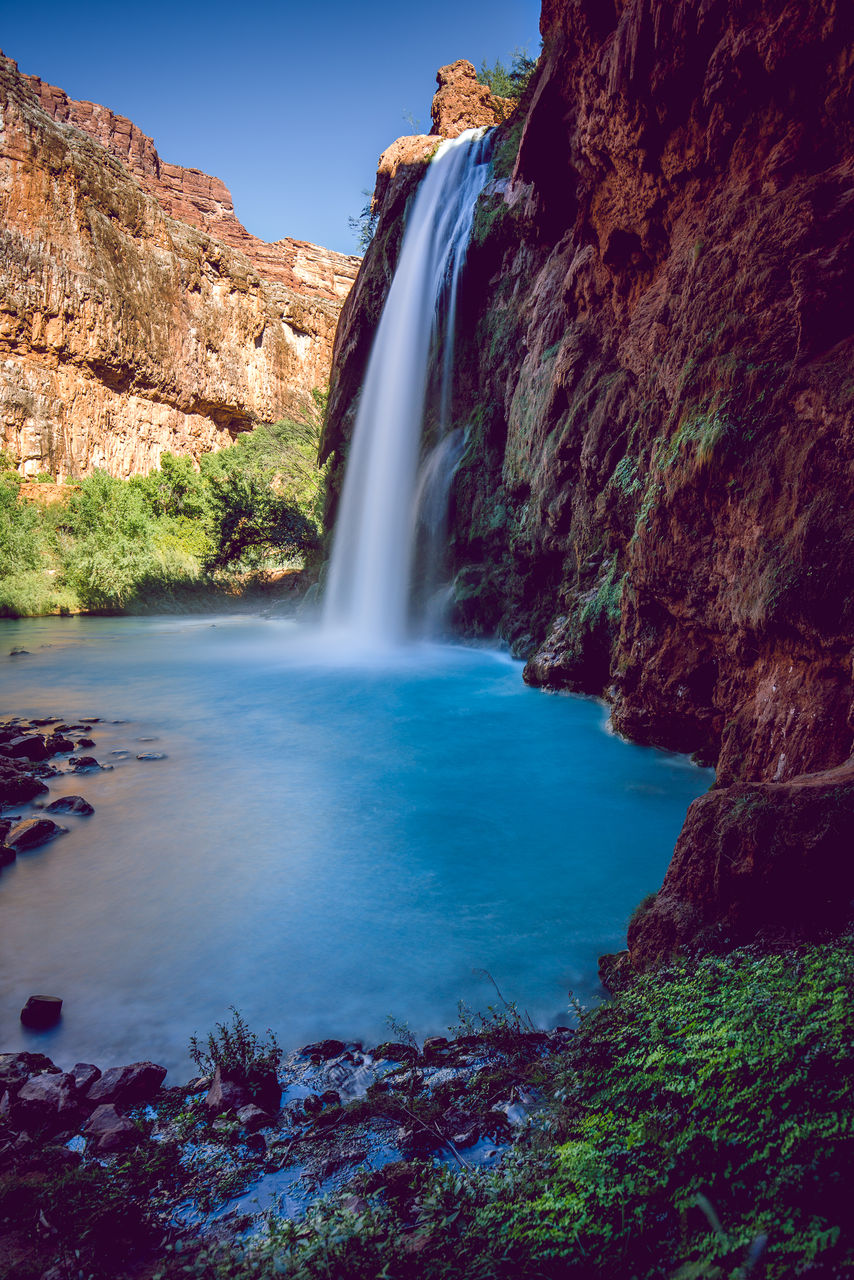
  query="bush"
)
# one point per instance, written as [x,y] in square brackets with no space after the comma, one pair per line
[702,1125]
[237,1052]
[108,539]
[508,82]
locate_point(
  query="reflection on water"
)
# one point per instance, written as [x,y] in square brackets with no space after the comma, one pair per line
[326,843]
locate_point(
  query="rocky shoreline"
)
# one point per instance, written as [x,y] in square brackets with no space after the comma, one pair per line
[329,1117]
[216,1155]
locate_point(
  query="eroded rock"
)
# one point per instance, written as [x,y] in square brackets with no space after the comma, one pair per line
[127,1086]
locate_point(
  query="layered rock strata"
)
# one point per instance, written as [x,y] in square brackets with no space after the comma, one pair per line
[137,315]
[656,343]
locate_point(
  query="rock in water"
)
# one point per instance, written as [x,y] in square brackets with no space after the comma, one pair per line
[31,833]
[70,804]
[41,1012]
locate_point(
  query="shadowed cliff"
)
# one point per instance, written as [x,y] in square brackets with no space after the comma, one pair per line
[656,338]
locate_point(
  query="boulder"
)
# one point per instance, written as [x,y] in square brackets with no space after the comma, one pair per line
[253,1118]
[26,747]
[16,785]
[322,1049]
[127,1086]
[85,743]
[57,745]
[227,1095]
[107,1130]
[396,1052]
[7,855]
[435,1048]
[82,764]
[16,1069]
[70,804]
[31,833]
[47,1103]
[85,1074]
[41,1012]
[461,102]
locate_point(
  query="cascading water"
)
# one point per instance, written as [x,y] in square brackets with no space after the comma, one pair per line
[368,589]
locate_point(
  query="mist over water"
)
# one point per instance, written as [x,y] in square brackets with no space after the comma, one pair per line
[327,843]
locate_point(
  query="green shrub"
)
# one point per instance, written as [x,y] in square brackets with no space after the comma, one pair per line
[702,1125]
[237,1052]
[508,82]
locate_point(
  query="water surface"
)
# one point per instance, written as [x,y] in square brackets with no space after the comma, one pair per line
[327,842]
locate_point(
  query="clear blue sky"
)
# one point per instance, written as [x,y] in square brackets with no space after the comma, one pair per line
[290,104]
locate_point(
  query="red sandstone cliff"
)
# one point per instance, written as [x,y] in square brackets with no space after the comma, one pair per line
[655,365]
[137,314]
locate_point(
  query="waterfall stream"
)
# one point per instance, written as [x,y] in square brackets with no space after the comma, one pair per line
[411,366]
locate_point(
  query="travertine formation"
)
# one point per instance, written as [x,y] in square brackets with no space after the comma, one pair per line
[656,338]
[136,313]
[461,102]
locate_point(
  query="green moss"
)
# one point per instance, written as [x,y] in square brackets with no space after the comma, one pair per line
[699,1123]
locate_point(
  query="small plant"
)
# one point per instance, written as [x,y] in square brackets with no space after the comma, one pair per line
[508,82]
[237,1052]
[364,224]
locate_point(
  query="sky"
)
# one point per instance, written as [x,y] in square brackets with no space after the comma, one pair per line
[289,104]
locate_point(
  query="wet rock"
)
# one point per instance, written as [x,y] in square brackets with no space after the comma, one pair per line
[41,1012]
[83,764]
[16,1068]
[26,747]
[31,833]
[47,1103]
[56,745]
[198,1084]
[754,859]
[348,1153]
[252,1118]
[435,1048]
[17,786]
[107,1130]
[322,1049]
[70,804]
[85,743]
[396,1052]
[85,1074]
[19,653]
[127,1086]
[151,755]
[7,856]
[616,971]
[226,1095]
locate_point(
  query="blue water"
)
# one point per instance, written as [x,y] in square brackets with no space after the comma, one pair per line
[328,842]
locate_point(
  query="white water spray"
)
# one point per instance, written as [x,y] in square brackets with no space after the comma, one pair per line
[367,592]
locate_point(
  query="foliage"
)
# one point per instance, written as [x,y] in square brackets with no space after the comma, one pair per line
[364,224]
[702,1124]
[93,1219]
[508,82]
[238,1052]
[116,544]
[111,549]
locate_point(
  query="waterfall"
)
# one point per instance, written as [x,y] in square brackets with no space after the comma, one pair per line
[368,588]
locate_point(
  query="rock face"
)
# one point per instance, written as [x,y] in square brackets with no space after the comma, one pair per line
[656,334]
[461,102]
[137,314]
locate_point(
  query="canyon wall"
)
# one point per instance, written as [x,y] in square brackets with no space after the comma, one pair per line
[137,315]
[655,371]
